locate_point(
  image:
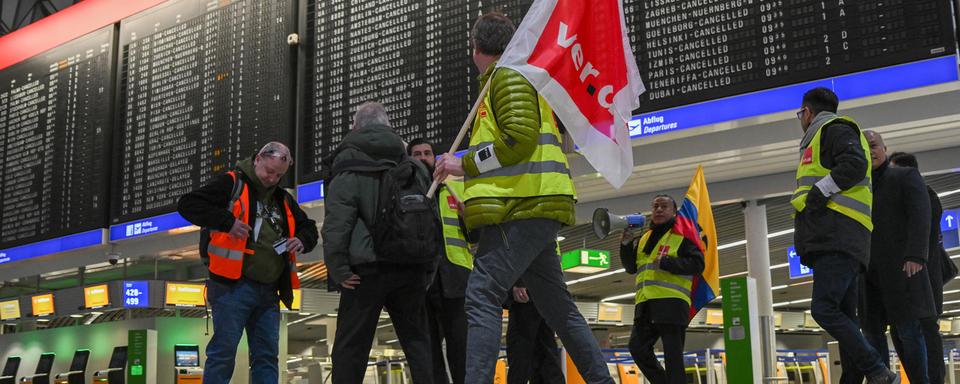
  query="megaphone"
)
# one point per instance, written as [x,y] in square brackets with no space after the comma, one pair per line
[605,223]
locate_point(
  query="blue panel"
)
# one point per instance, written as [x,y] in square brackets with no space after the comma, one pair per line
[852,86]
[797,270]
[47,247]
[147,226]
[949,219]
[310,192]
[136,294]
[951,239]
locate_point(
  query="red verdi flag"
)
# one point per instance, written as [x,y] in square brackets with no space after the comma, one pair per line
[577,54]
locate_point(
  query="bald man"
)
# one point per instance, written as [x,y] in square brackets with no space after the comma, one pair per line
[897,289]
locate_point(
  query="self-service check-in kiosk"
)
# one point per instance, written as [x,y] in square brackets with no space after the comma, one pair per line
[114,374]
[187,364]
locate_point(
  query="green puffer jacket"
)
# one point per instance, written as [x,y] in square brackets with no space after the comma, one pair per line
[515,105]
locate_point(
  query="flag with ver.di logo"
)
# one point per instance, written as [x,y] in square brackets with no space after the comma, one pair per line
[577,54]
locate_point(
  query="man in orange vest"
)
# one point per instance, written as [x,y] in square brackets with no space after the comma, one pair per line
[253,231]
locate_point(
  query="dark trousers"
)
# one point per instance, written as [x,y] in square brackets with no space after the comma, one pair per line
[403,293]
[936,369]
[448,322]
[644,335]
[532,352]
[834,307]
[908,341]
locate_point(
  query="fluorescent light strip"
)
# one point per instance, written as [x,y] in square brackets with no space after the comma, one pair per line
[302,320]
[597,276]
[948,193]
[775,305]
[385,325]
[619,297]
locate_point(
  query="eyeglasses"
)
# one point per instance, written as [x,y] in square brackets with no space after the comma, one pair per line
[279,156]
[800,114]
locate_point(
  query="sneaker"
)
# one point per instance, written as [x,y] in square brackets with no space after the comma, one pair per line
[884,376]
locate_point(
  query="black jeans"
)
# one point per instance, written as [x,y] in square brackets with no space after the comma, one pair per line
[448,321]
[644,335]
[909,343]
[834,307]
[936,369]
[403,293]
[532,351]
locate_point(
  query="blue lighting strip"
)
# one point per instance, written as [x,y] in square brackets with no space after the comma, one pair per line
[147,226]
[47,247]
[852,86]
[310,192]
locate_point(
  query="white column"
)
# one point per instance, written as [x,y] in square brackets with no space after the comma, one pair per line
[758,267]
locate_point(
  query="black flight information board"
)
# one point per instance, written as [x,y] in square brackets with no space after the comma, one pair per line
[695,50]
[202,84]
[55,130]
[415,57]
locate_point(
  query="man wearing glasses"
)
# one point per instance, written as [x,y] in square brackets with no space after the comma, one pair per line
[253,231]
[833,223]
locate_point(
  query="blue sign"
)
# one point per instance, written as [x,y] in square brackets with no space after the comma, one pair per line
[949,219]
[147,226]
[797,270]
[310,192]
[136,294]
[47,247]
[852,86]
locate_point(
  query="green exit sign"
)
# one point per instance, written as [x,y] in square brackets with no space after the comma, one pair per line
[585,261]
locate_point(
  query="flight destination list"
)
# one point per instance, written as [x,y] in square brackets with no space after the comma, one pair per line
[55,121]
[695,50]
[202,86]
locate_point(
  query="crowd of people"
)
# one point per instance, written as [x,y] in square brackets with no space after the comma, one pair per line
[444,267]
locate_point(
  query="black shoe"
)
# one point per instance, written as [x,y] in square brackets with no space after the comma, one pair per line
[884,376]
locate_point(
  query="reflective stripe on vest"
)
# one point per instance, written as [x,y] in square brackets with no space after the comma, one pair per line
[545,173]
[855,202]
[456,247]
[654,283]
[292,256]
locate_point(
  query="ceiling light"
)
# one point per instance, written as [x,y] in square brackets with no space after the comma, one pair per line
[561,238]
[597,276]
[76,315]
[619,297]
[948,193]
[42,320]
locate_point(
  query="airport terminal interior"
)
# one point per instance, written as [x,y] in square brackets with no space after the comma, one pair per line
[110,110]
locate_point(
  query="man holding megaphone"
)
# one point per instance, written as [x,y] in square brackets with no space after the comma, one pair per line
[665,263]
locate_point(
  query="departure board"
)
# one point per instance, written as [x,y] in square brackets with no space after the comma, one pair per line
[415,56]
[202,84]
[55,130]
[411,55]
[696,50]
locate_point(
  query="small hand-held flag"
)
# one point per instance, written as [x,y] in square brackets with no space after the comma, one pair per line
[577,55]
[695,222]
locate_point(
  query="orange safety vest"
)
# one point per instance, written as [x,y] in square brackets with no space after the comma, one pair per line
[226,252]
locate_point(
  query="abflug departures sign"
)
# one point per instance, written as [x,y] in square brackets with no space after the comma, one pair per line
[55,129]
[201,85]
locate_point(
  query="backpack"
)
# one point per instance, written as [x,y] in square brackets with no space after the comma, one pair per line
[406,224]
[205,232]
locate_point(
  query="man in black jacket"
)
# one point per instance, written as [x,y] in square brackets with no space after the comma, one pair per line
[244,295]
[367,282]
[661,258]
[831,238]
[898,290]
[445,297]
[937,270]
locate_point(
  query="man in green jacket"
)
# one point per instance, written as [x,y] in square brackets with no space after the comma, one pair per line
[518,193]
[367,283]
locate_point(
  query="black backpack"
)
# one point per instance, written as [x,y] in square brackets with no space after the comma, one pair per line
[406,224]
[205,232]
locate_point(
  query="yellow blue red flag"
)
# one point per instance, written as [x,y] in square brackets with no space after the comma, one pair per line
[695,222]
